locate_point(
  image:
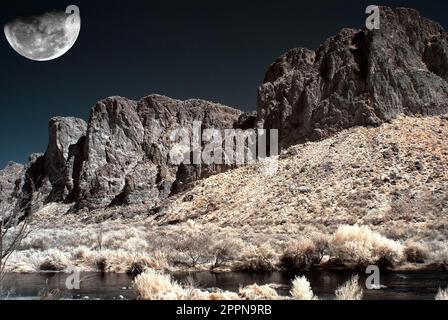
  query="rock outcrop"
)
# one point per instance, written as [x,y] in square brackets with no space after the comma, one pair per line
[128,144]
[121,156]
[358,78]
[66,137]
[9,178]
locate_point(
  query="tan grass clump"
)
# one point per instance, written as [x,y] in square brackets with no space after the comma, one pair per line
[442,294]
[301,289]
[256,292]
[351,290]
[154,285]
[225,295]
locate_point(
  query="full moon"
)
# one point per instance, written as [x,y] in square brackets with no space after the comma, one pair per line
[44,37]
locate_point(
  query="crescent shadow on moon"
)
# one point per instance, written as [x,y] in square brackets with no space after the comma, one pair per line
[44,37]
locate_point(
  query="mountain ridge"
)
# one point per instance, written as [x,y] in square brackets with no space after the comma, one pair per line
[120,156]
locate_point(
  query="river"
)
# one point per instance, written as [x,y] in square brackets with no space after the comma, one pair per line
[398,285]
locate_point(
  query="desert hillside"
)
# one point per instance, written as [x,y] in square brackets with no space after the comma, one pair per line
[386,177]
[364,195]
[361,178]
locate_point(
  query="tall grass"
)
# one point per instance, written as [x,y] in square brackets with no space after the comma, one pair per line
[442,294]
[256,292]
[351,290]
[154,285]
[301,289]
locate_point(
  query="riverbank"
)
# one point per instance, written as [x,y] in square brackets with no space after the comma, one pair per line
[396,285]
[131,245]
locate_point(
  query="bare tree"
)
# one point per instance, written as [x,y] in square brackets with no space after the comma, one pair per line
[14,227]
[195,246]
[222,251]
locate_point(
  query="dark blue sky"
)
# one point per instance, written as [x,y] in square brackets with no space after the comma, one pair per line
[215,50]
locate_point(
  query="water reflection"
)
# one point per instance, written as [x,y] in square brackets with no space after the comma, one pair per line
[399,286]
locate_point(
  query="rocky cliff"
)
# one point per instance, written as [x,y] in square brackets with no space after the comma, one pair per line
[358,78]
[121,156]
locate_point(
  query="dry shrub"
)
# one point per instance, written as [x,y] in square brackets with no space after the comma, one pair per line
[153,285]
[55,261]
[81,253]
[222,251]
[442,294]
[439,254]
[301,289]
[359,247]
[101,264]
[134,244]
[351,290]
[194,246]
[49,294]
[256,292]
[137,267]
[257,258]
[303,254]
[415,252]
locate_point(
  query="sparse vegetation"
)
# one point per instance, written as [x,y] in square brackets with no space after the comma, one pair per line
[301,289]
[359,247]
[223,251]
[257,258]
[49,294]
[415,252]
[442,294]
[154,285]
[194,244]
[256,292]
[351,290]
[14,227]
[278,222]
[303,254]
